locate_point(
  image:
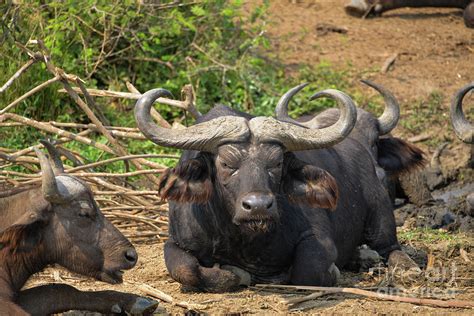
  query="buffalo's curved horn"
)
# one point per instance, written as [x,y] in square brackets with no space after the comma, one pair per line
[390,116]
[49,186]
[281,110]
[294,137]
[54,157]
[205,136]
[464,130]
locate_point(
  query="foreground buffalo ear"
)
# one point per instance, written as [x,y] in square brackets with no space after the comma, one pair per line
[26,233]
[189,181]
[309,185]
[398,156]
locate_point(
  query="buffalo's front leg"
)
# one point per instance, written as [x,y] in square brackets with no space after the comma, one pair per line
[314,263]
[185,268]
[11,309]
[57,298]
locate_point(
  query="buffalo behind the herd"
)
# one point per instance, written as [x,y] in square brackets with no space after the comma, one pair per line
[252,200]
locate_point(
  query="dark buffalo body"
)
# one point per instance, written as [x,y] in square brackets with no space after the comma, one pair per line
[284,216]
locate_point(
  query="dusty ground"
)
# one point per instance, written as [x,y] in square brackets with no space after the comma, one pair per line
[445,255]
[435,50]
[435,54]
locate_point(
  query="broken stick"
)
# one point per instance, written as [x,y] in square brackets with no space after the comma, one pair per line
[381,296]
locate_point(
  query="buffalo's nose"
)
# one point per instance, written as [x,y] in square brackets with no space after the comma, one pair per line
[131,256]
[258,202]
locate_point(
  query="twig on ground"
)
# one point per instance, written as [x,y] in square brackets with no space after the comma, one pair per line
[169,299]
[381,296]
[388,63]
[419,138]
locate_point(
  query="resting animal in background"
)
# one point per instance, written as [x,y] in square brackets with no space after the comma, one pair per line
[464,130]
[391,156]
[255,199]
[59,222]
[362,8]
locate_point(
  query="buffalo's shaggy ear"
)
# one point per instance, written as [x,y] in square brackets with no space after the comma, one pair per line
[25,234]
[398,156]
[190,181]
[307,184]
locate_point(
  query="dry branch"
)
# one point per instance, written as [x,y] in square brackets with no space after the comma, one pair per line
[169,299]
[381,296]
[28,94]
[54,130]
[141,214]
[388,63]
[17,74]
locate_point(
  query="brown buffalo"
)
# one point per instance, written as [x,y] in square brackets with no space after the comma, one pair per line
[59,222]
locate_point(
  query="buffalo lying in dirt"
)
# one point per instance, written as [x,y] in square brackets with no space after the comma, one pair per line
[59,222]
[363,8]
[255,199]
[391,156]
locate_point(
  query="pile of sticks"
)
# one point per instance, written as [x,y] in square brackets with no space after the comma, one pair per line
[137,212]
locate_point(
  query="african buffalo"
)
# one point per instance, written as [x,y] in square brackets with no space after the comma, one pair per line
[362,8]
[464,130]
[255,199]
[59,222]
[391,156]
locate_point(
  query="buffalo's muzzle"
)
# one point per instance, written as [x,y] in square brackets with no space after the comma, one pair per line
[257,204]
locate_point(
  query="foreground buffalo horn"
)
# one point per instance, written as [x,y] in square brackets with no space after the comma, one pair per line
[206,136]
[464,130]
[390,116]
[294,137]
[387,121]
[54,157]
[49,185]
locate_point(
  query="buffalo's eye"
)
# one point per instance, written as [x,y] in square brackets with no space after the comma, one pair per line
[276,165]
[228,166]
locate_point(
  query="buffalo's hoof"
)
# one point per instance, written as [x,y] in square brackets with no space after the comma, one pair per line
[334,272]
[469,15]
[362,8]
[141,306]
[244,276]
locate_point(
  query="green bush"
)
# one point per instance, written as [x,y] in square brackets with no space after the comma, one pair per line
[212,45]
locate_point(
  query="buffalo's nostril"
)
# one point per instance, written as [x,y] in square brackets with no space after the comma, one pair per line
[131,255]
[257,202]
[246,206]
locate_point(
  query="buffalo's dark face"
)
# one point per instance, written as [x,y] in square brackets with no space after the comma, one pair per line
[249,178]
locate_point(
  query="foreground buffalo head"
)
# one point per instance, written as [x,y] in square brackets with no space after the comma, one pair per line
[247,161]
[390,154]
[61,223]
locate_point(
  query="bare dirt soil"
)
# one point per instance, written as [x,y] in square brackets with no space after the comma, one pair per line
[435,54]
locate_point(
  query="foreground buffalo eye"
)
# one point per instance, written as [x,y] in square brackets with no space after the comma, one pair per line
[228,166]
